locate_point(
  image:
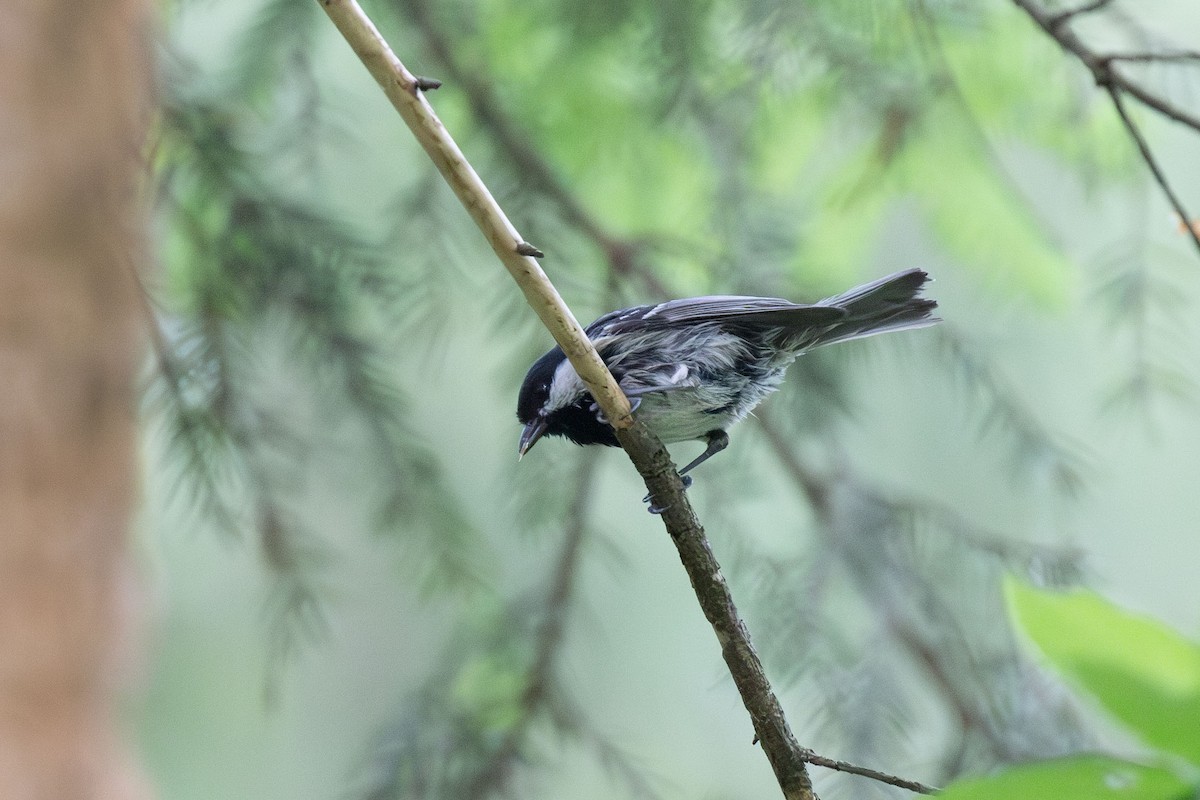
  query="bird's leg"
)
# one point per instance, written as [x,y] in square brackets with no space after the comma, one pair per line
[718,440]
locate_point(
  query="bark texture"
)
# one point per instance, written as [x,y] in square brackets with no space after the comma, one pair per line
[74,96]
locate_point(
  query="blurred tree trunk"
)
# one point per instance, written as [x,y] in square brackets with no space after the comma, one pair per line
[74,90]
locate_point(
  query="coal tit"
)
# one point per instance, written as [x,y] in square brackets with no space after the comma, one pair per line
[693,367]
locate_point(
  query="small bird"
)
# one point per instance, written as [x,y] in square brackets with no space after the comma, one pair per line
[693,367]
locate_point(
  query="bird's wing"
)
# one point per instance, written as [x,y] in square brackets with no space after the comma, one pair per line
[756,311]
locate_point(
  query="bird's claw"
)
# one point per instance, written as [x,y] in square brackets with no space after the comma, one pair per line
[634,402]
[656,509]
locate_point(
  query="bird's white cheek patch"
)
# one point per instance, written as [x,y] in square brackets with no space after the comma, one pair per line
[680,373]
[566,388]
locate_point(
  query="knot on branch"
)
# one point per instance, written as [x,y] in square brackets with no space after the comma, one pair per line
[526,249]
[424,84]
[1102,71]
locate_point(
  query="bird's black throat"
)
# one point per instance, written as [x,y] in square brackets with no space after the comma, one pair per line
[581,425]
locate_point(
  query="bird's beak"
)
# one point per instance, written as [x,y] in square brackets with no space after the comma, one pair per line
[533,431]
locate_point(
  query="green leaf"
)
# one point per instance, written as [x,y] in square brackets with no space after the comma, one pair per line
[1144,673]
[1075,778]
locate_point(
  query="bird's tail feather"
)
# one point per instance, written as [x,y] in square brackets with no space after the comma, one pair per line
[888,304]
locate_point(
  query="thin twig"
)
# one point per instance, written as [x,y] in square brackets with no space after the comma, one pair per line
[1174,55]
[1087,8]
[1115,83]
[867,772]
[1152,163]
[173,378]
[644,449]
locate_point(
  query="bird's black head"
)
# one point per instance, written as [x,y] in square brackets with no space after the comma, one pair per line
[554,402]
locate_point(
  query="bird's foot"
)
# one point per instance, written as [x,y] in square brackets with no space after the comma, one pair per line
[656,509]
[634,402]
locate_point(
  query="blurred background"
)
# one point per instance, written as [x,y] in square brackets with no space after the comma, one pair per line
[355,589]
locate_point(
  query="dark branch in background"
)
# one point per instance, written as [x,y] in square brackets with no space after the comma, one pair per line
[941,658]
[1160,177]
[529,166]
[1129,291]
[1106,74]
[494,739]
[647,453]
[1101,65]
[493,775]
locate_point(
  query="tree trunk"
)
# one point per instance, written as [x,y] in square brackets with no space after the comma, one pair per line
[74,92]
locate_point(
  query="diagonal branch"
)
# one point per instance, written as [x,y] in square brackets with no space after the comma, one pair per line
[644,449]
[1152,164]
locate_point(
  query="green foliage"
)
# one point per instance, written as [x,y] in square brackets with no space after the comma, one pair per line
[1076,778]
[1141,671]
